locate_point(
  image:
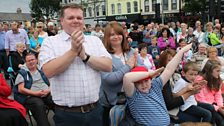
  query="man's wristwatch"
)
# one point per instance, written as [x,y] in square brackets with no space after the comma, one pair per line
[87,58]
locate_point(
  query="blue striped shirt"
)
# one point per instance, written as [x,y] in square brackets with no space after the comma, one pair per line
[150,109]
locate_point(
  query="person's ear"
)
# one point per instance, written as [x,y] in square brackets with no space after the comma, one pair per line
[183,73]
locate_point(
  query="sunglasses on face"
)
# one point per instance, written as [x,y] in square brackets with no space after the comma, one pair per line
[39,26]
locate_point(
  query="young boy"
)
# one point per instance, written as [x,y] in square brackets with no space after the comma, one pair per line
[154,50]
[191,107]
[145,99]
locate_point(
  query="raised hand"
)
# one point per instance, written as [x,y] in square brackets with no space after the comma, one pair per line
[156,72]
[132,61]
[77,40]
[187,47]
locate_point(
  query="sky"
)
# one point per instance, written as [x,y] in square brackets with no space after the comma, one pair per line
[10,6]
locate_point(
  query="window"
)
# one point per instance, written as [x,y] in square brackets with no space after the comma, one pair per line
[146,5]
[174,4]
[135,6]
[153,5]
[112,8]
[165,4]
[66,2]
[119,8]
[103,10]
[128,7]
[90,11]
[97,11]
[84,12]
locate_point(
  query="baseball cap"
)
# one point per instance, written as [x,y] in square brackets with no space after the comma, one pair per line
[141,69]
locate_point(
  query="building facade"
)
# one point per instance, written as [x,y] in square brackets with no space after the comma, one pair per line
[123,10]
[94,10]
[130,11]
[169,10]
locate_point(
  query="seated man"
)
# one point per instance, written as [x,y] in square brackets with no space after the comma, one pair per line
[32,90]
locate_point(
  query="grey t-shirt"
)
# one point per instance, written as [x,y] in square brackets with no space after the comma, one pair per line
[38,83]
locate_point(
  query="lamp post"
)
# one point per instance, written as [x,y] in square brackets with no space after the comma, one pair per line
[162,11]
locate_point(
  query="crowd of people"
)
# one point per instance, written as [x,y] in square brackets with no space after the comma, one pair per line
[168,73]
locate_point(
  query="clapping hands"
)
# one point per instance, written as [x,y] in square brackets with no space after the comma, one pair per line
[77,41]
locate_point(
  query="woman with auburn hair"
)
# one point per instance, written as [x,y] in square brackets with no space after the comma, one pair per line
[124,59]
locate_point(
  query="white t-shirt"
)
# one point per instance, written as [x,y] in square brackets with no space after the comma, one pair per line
[180,84]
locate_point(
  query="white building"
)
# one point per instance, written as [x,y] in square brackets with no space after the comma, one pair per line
[94,10]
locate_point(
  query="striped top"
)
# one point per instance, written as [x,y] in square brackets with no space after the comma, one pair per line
[150,109]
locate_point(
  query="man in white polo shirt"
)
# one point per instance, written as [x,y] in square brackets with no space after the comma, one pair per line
[73,63]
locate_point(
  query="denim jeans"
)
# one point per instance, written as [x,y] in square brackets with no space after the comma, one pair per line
[185,117]
[200,111]
[92,118]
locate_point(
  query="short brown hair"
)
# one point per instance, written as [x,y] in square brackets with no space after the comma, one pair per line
[73,6]
[190,66]
[141,46]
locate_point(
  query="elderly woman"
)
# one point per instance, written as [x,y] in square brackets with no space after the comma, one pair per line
[124,59]
[146,58]
[212,53]
[40,28]
[35,42]
[18,57]
[199,56]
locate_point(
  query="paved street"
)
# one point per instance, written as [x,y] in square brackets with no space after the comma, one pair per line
[50,118]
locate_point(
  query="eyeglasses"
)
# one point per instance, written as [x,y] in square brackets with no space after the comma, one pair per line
[39,26]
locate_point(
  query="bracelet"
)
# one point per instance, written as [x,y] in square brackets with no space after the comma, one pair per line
[87,58]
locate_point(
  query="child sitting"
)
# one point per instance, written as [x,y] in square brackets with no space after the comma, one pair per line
[145,99]
[191,107]
[211,92]
[154,50]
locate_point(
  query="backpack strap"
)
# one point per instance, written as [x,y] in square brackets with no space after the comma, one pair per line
[45,79]
[28,80]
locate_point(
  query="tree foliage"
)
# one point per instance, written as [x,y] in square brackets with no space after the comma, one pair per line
[40,8]
[195,6]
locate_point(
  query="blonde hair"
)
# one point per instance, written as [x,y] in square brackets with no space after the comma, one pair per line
[209,24]
[211,49]
[40,24]
[20,44]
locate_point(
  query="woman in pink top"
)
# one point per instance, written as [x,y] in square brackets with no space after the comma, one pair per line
[211,93]
[166,40]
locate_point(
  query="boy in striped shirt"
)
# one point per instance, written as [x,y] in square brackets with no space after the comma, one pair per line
[145,99]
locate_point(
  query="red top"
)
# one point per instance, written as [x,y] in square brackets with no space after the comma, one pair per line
[5,102]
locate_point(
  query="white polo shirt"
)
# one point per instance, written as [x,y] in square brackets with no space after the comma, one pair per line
[79,84]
